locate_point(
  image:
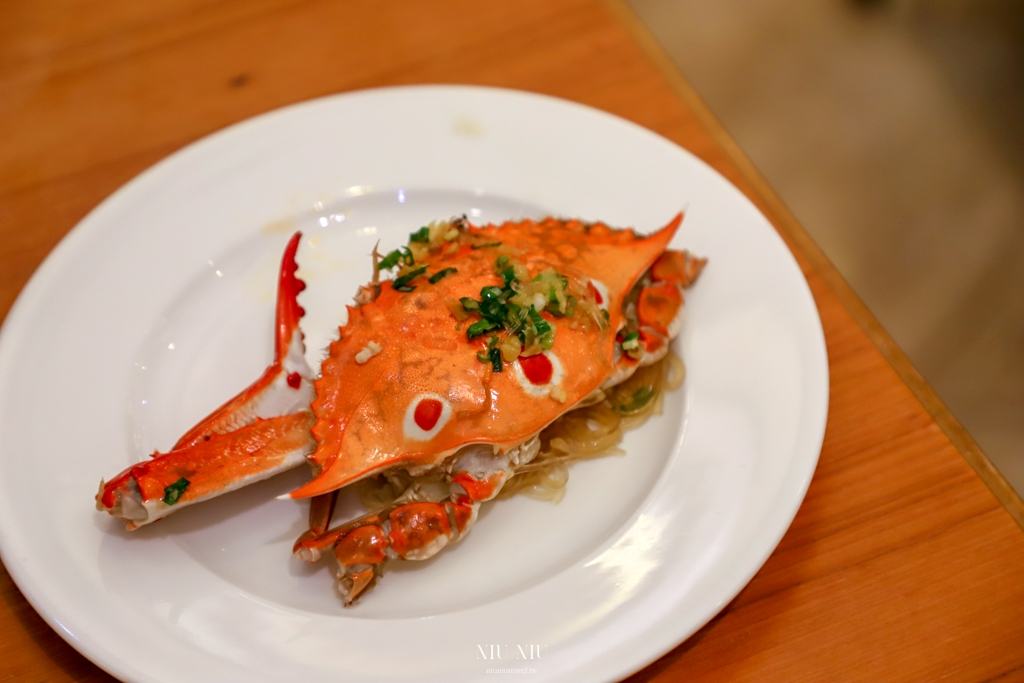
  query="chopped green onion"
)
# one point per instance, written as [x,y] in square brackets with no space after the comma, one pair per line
[484,246]
[538,322]
[392,259]
[631,341]
[443,273]
[641,397]
[480,327]
[421,235]
[490,293]
[493,353]
[173,492]
[402,283]
[504,308]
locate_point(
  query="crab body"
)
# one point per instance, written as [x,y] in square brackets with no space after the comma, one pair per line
[426,393]
[448,371]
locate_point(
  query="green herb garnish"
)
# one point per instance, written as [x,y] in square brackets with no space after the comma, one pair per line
[492,355]
[500,308]
[441,274]
[391,260]
[174,492]
[540,323]
[402,283]
[480,327]
[641,397]
[631,346]
[484,246]
[421,235]
[509,276]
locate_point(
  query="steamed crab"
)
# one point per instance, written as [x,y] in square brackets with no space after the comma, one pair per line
[442,377]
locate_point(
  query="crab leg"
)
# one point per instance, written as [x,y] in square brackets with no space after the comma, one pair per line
[321,510]
[410,531]
[656,315]
[413,529]
[660,305]
[263,430]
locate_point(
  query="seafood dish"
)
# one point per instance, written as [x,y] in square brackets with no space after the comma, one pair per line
[476,362]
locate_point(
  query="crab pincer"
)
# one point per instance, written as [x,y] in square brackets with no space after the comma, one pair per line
[262,431]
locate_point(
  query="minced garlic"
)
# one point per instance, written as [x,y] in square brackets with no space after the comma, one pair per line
[368,352]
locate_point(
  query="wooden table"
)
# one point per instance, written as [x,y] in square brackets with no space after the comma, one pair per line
[905,562]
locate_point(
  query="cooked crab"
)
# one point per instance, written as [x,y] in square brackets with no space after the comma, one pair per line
[440,382]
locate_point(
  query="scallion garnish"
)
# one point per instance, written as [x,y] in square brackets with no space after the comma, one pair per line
[641,397]
[391,260]
[511,308]
[402,283]
[173,492]
[441,274]
[480,327]
[540,323]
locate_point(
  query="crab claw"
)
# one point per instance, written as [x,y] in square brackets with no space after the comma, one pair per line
[145,492]
[263,430]
[286,385]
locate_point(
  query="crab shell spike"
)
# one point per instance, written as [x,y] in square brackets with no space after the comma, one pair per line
[285,387]
[424,352]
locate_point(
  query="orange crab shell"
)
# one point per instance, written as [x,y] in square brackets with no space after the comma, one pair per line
[425,394]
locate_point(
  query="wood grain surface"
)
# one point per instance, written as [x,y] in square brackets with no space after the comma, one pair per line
[902,565]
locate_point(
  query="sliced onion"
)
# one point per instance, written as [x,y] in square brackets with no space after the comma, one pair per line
[593,431]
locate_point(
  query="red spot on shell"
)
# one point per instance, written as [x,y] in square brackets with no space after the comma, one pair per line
[538,369]
[428,412]
[294,380]
[596,292]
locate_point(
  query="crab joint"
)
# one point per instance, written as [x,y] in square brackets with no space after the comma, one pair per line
[419,530]
[363,545]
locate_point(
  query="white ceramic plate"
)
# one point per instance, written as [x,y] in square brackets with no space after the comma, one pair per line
[158,306]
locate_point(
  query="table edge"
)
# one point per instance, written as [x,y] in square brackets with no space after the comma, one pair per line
[787,224]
